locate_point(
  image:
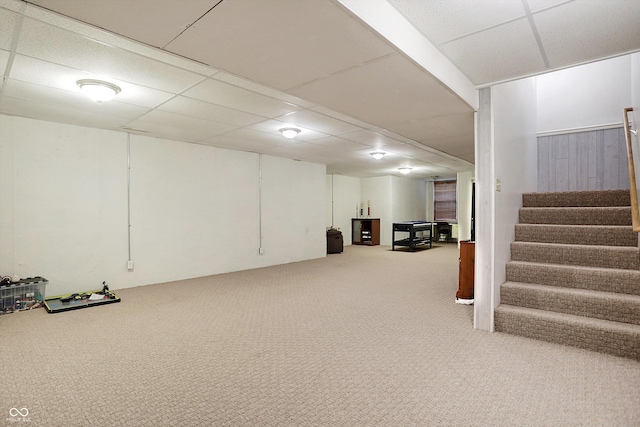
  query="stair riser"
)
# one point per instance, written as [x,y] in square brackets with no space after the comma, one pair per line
[576,235]
[598,307]
[576,216]
[595,256]
[620,281]
[578,198]
[582,336]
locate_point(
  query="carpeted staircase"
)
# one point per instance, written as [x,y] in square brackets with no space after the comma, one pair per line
[574,274]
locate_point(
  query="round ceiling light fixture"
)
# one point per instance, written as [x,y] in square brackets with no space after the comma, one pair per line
[98,90]
[378,155]
[289,133]
[405,170]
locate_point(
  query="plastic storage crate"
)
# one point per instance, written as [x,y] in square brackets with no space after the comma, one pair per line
[22,295]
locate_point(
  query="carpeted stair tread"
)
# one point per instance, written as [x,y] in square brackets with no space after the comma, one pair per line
[580,302]
[578,198]
[585,255]
[593,278]
[620,339]
[602,235]
[615,215]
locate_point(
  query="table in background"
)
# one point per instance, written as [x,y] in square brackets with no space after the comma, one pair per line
[415,240]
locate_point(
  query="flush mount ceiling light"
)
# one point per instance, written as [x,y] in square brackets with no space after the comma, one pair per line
[289,132]
[377,155]
[98,90]
[405,170]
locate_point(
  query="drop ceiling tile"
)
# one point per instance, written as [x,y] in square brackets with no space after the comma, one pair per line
[497,54]
[318,122]
[112,39]
[180,121]
[274,126]
[268,138]
[166,131]
[62,47]
[241,142]
[338,145]
[261,89]
[436,127]
[8,24]
[59,114]
[442,21]
[581,31]
[69,99]
[342,117]
[204,110]
[154,22]
[4,59]
[64,78]
[227,95]
[410,94]
[283,43]
[538,5]
[369,138]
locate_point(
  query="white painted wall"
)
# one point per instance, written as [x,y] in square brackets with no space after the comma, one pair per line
[377,190]
[584,96]
[506,150]
[429,195]
[346,196]
[408,200]
[194,209]
[463,205]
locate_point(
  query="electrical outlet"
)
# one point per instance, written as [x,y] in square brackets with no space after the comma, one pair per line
[261,251]
[130,265]
[498,185]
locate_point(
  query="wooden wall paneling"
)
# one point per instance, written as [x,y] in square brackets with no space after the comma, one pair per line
[562,163]
[591,160]
[599,143]
[572,152]
[590,141]
[622,157]
[543,163]
[611,163]
[552,162]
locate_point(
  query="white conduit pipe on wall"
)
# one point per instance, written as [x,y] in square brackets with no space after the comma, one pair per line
[260,248]
[129,261]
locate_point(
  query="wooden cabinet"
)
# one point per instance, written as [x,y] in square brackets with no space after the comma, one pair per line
[467,270]
[365,231]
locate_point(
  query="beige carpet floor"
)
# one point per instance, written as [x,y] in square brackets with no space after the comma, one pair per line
[369,337]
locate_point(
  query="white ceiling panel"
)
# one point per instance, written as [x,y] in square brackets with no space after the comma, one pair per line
[227,95]
[284,43]
[318,122]
[538,5]
[72,100]
[273,127]
[442,21]
[62,47]
[58,113]
[204,110]
[45,73]
[249,67]
[245,141]
[8,24]
[512,47]
[571,32]
[338,145]
[154,22]
[405,97]
[4,59]
[182,121]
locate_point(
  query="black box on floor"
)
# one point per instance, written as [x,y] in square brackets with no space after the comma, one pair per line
[335,244]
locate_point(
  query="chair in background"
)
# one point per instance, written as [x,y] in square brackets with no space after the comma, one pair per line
[444,232]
